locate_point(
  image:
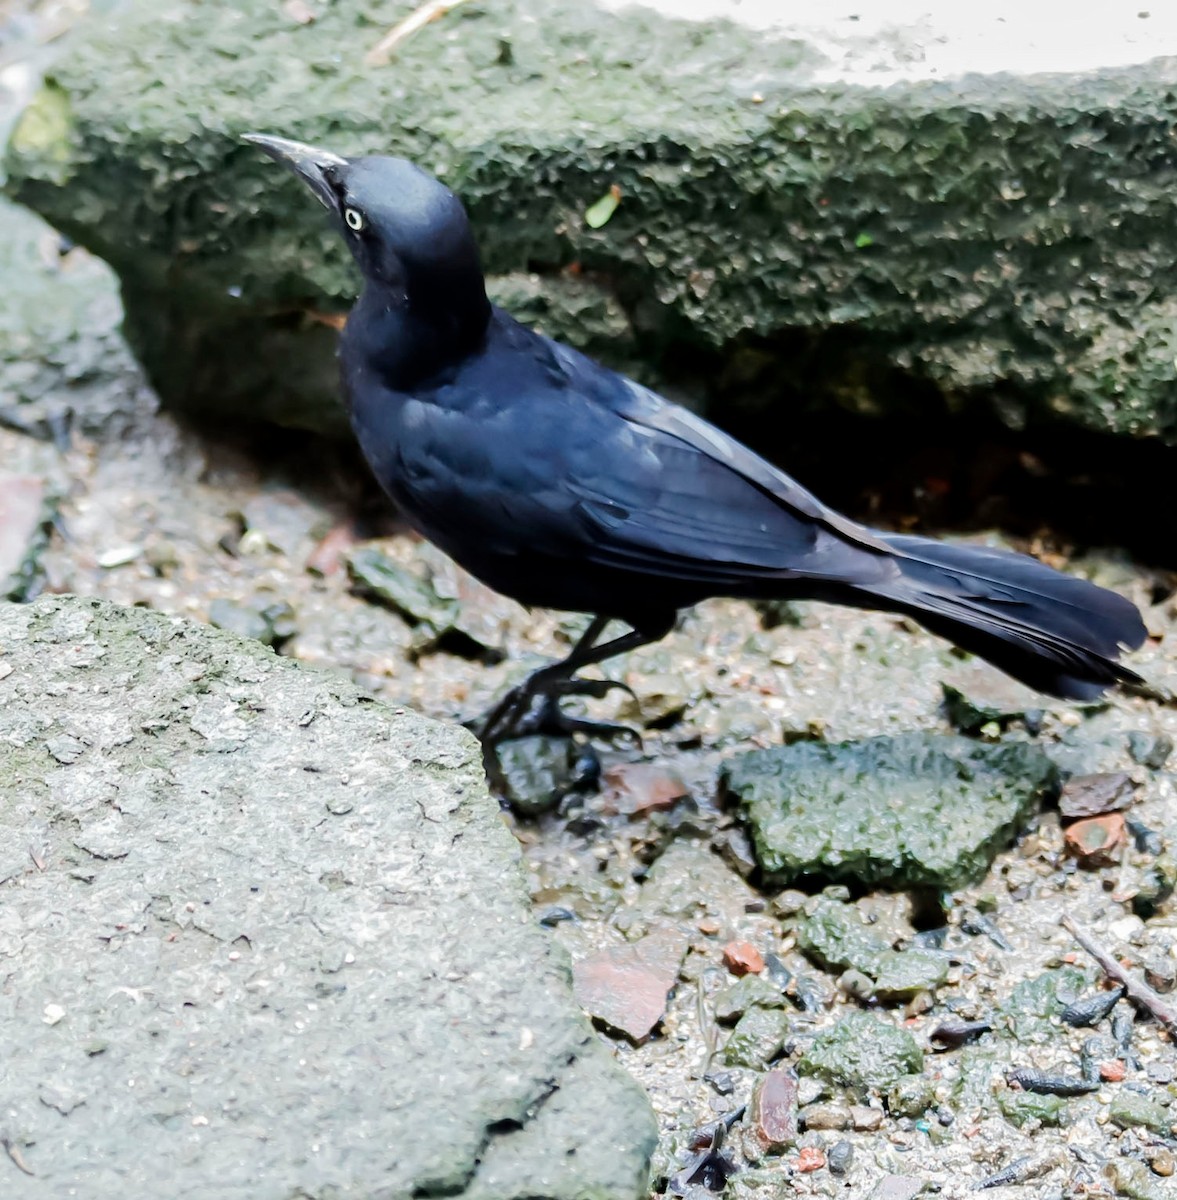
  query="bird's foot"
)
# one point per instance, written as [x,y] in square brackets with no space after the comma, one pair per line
[549,717]
[534,708]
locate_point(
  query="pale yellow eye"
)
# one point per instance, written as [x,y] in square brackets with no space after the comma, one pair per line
[354,218]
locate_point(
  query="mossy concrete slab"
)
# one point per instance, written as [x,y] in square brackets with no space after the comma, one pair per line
[1000,236]
[917,810]
[260,936]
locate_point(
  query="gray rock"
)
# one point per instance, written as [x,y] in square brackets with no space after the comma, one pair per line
[26,513]
[972,234]
[912,810]
[262,936]
[1093,795]
[63,361]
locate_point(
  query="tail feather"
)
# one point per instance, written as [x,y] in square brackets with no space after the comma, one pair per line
[1057,633]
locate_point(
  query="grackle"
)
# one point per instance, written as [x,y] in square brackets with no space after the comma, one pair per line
[566,485]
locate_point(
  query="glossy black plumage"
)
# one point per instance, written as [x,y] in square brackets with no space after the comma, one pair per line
[565,485]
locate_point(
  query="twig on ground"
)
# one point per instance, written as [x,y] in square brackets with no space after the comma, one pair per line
[1137,990]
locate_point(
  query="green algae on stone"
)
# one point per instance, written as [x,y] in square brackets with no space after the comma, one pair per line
[1130,1109]
[63,361]
[44,133]
[1156,887]
[1020,1107]
[862,1051]
[987,704]
[911,1096]
[902,974]
[752,991]
[907,811]
[1031,1013]
[834,935]
[263,618]
[1130,1177]
[757,1038]
[969,236]
[979,1070]
[540,770]
[402,589]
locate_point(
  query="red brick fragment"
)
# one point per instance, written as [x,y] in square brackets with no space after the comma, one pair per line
[742,958]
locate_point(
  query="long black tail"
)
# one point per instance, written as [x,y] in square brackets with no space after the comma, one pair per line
[1059,634]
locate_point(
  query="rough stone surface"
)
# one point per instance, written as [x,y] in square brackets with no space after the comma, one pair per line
[917,809]
[989,234]
[757,1038]
[626,986]
[772,1110]
[63,361]
[261,936]
[864,1052]
[1093,795]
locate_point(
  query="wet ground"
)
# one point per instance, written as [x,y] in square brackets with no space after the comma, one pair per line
[257,533]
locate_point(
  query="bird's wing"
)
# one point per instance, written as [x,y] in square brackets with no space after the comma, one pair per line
[663,504]
[670,494]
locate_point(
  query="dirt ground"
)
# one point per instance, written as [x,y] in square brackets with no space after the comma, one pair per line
[256,532]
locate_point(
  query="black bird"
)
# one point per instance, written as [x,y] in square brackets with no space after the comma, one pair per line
[566,485]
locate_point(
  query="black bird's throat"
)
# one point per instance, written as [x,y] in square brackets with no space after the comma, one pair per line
[406,334]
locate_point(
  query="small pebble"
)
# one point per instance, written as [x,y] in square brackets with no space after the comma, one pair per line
[842,1154]
[742,958]
[772,1112]
[1096,841]
[1160,972]
[118,556]
[1163,1162]
[865,1119]
[826,1116]
[1146,840]
[810,1159]
[1161,1072]
[777,971]
[1094,795]
[1149,751]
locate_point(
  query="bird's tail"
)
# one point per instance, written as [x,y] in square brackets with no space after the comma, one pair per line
[1057,633]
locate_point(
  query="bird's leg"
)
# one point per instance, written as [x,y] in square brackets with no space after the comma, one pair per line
[512,716]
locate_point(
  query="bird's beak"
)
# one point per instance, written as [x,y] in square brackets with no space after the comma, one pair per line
[312,165]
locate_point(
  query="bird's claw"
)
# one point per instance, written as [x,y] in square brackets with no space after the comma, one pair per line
[594,688]
[517,715]
[551,718]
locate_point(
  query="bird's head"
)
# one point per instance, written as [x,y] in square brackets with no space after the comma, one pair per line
[407,231]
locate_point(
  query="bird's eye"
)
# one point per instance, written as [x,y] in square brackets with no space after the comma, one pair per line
[354,218]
